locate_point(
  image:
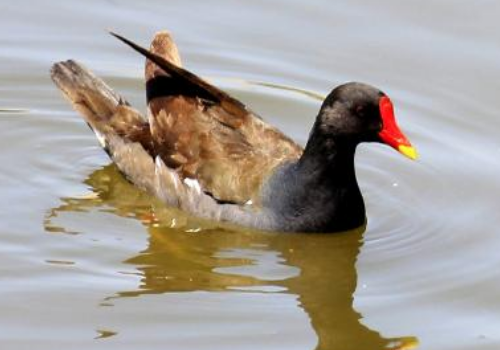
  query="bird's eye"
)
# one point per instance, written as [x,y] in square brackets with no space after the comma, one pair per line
[360,111]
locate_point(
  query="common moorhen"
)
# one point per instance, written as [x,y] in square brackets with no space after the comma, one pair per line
[203,151]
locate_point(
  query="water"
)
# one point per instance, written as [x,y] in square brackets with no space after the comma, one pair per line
[89,262]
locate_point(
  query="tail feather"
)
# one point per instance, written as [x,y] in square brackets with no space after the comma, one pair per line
[107,113]
[88,94]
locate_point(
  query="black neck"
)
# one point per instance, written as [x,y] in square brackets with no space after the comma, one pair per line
[329,159]
[320,191]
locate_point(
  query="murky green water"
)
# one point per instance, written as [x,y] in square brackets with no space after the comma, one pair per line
[89,262]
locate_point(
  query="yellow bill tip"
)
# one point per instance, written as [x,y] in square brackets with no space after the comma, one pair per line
[408,151]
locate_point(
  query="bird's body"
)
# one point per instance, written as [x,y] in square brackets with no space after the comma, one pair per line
[201,150]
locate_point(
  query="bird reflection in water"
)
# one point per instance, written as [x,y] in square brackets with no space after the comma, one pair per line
[185,254]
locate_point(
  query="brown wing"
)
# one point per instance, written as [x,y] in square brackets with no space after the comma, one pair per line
[206,134]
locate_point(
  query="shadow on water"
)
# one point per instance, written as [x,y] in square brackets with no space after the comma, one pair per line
[185,254]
